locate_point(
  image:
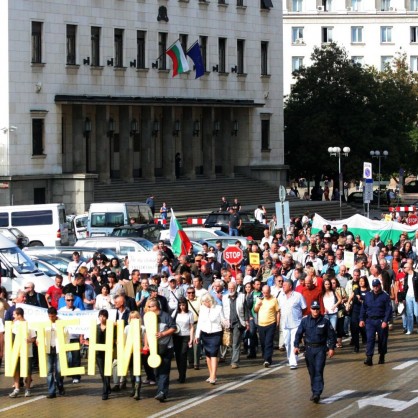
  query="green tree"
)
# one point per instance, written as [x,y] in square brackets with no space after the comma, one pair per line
[338,103]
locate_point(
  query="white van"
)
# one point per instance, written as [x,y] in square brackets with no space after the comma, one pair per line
[103,217]
[42,224]
[17,269]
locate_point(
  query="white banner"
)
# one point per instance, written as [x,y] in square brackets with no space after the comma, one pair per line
[145,262]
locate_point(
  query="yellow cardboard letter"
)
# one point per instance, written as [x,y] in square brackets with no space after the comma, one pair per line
[107,347]
[12,351]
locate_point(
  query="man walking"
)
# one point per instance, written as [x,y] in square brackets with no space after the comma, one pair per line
[319,337]
[236,313]
[291,305]
[376,311]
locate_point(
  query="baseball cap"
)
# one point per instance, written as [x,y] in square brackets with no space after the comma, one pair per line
[315,305]
[376,282]
[247,279]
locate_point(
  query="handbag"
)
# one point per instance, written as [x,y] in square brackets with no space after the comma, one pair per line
[227,337]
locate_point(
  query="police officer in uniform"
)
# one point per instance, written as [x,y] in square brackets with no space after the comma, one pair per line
[376,311]
[319,338]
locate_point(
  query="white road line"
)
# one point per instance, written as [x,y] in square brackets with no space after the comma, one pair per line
[405,365]
[22,403]
[191,403]
[337,396]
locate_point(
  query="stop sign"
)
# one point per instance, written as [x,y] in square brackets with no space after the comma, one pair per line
[412,220]
[233,254]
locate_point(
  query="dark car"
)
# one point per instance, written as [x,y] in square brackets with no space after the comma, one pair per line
[250,226]
[147,231]
[411,187]
[357,197]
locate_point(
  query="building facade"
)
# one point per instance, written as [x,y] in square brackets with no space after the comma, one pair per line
[372,31]
[87,92]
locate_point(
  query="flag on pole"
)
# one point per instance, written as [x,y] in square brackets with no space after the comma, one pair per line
[195,53]
[180,64]
[180,242]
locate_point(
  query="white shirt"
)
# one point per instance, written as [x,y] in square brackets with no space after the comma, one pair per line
[291,309]
[210,320]
[183,321]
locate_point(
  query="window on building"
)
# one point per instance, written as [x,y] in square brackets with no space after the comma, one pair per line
[297,5]
[240,55]
[327,5]
[203,42]
[356,34]
[36,42]
[266,4]
[264,57]
[39,195]
[414,63]
[385,61]
[37,136]
[118,48]
[95,46]
[385,34]
[297,34]
[265,134]
[162,47]
[221,1]
[140,48]
[413,5]
[222,55]
[326,34]
[297,62]
[384,5]
[357,60]
[414,34]
[71,44]
[183,41]
[356,5]
[240,2]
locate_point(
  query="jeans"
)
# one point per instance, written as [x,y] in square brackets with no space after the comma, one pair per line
[289,338]
[195,352]
[54,372]
[162,372]
[266,339]
[233,232]
[411,308]
[333,319]
[252,334]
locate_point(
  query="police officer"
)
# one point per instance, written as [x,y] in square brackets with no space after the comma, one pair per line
[319,338]
[376,311]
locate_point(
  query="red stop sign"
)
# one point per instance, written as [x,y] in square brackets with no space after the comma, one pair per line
[233,254]
[412,220]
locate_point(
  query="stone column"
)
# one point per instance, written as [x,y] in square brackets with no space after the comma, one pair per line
[228,144]
[147,144]
[168,144]
[126,145]
[79,145]
[208,143]
[102,145]
[187,140]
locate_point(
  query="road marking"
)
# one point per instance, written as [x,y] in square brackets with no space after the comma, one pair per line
[22,403]
[405,365]
[380,400]
[337,396]
[191,403]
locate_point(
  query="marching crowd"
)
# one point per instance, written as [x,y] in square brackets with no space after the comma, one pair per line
[300,296]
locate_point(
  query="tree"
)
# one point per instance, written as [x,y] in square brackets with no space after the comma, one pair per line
[336,102]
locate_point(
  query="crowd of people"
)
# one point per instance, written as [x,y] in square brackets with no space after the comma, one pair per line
[206,307]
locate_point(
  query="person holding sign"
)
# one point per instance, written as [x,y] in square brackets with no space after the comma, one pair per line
[100,355]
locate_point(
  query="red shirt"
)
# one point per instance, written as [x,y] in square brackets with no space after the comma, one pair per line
[55,293]
[400,280]
[310,295]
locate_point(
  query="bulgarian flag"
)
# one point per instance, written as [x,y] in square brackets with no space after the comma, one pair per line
[180,243]
[180,64]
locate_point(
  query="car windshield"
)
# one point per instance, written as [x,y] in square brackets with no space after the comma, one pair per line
[147,245]
[220,233]
[19,260]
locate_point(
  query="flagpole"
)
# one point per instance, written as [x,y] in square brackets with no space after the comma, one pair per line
[156,59]
[196,42]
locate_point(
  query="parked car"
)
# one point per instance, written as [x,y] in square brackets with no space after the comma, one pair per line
[196,233]
[357,197]
[228,240]
[250,226]
[77,225]
[411,187]
[148,231]
[15,235]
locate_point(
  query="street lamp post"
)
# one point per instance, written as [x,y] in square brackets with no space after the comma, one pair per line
[378,155]
[337,152]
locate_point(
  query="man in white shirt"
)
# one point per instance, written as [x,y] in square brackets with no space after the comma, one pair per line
[74,266]
[291,304]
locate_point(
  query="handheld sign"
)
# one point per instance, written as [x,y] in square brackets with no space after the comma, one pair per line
[151,325]
[233,254]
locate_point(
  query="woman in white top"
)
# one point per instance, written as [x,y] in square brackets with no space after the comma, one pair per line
[209,330]
[183,337]
[331,301]
[104,300]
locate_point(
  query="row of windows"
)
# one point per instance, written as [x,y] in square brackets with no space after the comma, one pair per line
[118,60]
[385,60]
[264,4]
[353,5]
[386,33]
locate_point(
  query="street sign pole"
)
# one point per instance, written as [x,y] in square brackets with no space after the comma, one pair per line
[282,198]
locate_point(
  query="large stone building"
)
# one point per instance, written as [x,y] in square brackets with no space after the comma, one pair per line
[372,31]
[87,92]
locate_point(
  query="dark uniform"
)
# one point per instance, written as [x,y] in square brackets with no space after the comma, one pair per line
[375,310]
[319,337]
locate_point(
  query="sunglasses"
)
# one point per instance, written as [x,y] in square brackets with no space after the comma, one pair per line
[190,293]
[69,300]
